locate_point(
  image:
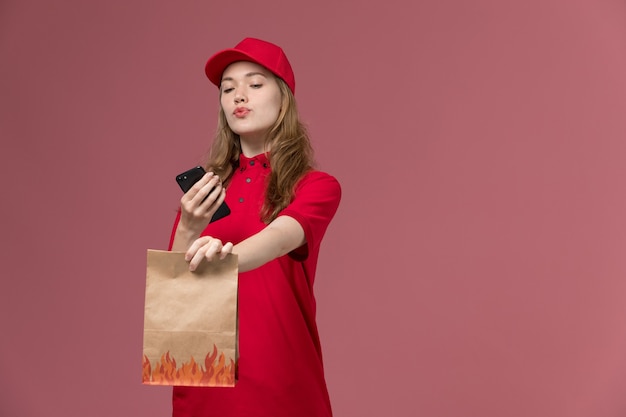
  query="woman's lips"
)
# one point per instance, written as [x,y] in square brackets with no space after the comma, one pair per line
[241,112]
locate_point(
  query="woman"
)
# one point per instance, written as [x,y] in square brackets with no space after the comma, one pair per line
[261,165]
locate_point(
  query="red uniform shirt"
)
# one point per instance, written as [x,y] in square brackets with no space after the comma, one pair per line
[280,358]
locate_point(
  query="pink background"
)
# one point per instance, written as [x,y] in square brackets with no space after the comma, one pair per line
[476,266]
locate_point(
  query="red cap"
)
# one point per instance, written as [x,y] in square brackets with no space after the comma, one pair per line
[260,52]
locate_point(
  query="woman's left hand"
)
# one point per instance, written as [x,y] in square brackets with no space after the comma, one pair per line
[206,247]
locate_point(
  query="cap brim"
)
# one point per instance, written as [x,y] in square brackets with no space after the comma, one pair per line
[216,65]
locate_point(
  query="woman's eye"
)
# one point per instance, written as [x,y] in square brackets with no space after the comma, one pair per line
[256,85]
[227,89]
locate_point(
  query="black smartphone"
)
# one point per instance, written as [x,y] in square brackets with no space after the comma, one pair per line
[188,178]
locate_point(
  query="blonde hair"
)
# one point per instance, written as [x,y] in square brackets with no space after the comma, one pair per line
[290,156]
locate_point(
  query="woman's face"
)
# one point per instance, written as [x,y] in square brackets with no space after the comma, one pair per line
[251,100]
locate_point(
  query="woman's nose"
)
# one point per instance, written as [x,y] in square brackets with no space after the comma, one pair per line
[239,98]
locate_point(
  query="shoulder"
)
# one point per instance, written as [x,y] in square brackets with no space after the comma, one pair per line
[316,198]
[316,194]
[318,181]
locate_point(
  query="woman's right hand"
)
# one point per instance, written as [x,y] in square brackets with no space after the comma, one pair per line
[198,205]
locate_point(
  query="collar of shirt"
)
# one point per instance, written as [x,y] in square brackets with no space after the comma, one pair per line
[260,160]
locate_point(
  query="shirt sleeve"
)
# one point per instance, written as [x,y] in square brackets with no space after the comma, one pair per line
[176,220]
[316,199]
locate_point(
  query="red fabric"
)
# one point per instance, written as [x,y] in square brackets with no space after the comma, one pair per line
[259,51]
[280,358]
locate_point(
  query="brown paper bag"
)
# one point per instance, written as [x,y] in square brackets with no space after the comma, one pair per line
[190,321]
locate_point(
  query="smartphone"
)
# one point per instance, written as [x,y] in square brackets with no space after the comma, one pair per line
[188,178]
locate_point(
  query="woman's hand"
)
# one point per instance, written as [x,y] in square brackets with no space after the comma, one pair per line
[208,248]
[197,206]
[201,201]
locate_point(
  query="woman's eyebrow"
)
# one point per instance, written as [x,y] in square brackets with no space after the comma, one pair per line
[250,74]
